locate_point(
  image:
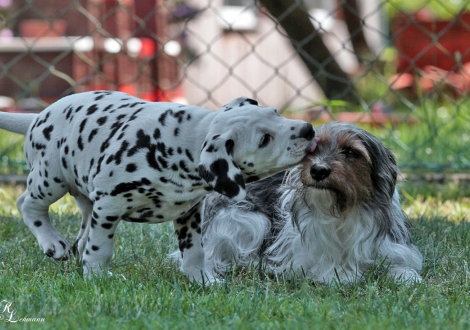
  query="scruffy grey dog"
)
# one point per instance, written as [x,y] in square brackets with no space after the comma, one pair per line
[331,218]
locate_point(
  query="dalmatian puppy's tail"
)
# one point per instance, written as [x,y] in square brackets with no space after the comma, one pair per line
[16,122]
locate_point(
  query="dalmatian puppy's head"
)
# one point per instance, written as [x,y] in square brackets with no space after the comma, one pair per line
[246,142]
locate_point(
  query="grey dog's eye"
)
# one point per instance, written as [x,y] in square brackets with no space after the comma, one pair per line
[265,140]
[351,153]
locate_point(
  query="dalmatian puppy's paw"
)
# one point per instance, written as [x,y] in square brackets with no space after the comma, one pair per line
[205,278]
[90,273]
[56,247]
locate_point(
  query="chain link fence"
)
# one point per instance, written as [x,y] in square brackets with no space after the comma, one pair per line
[401,69]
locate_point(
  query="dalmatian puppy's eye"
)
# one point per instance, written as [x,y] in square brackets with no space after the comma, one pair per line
[265,140]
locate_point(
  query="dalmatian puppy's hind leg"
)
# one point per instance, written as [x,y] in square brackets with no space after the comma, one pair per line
[188,232]
[34,204]
[86,208]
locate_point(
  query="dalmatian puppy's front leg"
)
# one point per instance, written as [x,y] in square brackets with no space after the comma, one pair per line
[188,232]
[100,242]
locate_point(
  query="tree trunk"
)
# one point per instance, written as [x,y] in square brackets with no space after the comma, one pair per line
[293,17]
[354,23]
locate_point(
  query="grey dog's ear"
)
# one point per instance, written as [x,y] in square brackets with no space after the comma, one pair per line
[384,167]
[238,102]
[218,168]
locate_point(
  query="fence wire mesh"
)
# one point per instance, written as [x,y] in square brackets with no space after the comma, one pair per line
[399,68]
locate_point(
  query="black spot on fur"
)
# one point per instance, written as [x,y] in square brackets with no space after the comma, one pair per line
[151,159]
[92,134]
[129,186]
[156,134]
[64,163]
[143,141]
[224,184]
[82,125]
[118,156]
[80,142]
[131,168]
[206,174]
[163,116]
[229,146]
[47,132]
[69,113]
[211,148]
[189,155]
[102,120]
[251,101]
[162,149]
[184,167]
[92,109]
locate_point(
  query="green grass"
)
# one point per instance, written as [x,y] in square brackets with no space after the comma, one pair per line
[149,292]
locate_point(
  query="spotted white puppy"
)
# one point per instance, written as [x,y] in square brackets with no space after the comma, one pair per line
[123,158]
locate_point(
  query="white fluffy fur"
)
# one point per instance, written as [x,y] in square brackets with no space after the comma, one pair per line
[239,241]
[325,247]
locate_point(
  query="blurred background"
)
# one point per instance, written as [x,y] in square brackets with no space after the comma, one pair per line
[400,69]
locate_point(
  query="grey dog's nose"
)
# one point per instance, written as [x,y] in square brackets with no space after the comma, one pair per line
[307,132]
[319,172]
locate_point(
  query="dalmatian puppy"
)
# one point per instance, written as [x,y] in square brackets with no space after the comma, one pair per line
[123,158]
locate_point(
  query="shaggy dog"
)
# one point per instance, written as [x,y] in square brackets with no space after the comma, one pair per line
[332,217]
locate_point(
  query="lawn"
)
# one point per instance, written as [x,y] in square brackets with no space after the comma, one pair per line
[147,290]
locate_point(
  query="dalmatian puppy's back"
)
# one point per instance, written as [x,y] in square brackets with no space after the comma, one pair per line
[123,158]
[95,146]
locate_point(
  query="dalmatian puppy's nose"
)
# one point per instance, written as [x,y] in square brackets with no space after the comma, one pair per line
[307,132]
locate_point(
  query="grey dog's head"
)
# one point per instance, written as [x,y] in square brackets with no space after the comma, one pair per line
[248,142]
[352,167]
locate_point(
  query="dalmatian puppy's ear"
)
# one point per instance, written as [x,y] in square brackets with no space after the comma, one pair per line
[218,168]
[238,102]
